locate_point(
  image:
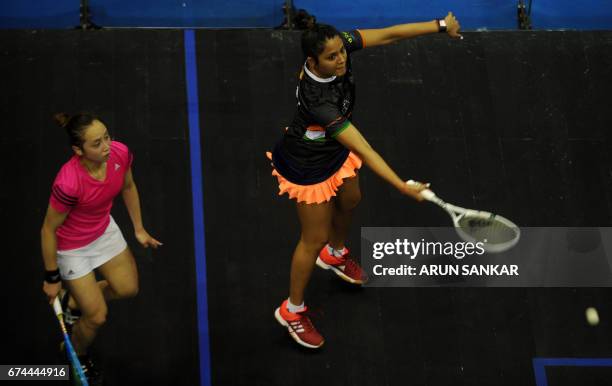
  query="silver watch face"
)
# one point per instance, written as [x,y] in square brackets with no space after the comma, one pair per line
[442,23]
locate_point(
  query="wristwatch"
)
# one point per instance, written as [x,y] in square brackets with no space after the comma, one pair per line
[441,25]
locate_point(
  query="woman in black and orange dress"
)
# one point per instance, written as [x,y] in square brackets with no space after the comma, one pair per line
[317,159]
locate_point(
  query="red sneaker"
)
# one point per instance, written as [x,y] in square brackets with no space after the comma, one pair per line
[299,326]
[346,267]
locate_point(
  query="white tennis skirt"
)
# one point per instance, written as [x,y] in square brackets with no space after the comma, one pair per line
[76,263]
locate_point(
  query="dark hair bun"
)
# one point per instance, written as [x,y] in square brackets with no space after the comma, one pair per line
[61,119]
[304,20]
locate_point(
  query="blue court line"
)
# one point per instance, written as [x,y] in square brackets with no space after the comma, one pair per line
[539,365]
[193,112]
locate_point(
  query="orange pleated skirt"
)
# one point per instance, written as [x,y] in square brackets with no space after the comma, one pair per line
[322,191]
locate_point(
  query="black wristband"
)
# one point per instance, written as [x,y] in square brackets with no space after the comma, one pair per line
[53,277]
[441,25]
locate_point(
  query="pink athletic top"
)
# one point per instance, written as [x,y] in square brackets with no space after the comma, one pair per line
[88,201]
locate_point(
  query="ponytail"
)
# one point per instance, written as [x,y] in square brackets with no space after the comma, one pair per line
[304,21]
[61,119]
[75,126]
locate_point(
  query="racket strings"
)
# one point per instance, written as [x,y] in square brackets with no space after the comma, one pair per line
[491,230]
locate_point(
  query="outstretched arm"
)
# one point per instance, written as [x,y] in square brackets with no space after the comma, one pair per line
[388,35]
[352,139]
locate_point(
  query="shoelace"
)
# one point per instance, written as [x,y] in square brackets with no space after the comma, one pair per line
[70,316]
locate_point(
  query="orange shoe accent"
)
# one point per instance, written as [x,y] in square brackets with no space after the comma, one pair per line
[330,259]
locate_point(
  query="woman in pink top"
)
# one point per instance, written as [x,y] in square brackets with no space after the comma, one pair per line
[79,235]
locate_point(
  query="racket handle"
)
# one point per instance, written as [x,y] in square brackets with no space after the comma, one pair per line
[426,193]
[57,307]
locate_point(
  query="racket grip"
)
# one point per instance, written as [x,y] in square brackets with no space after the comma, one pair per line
[57,307]
[426,193]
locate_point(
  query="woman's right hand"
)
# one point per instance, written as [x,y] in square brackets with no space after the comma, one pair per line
[52,290]
[414,190]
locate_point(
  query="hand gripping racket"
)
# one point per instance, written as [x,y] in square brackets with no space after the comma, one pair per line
[77,370]
[496,233]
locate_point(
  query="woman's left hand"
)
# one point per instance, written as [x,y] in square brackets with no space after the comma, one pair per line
[452,26]
[146,240]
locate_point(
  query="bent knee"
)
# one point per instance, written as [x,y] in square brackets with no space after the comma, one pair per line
[350,202]
[128,291]
[315,242]
[95,320]
[132,291]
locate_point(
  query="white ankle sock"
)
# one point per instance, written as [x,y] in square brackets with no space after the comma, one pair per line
[336,252]
[293,308]
[339,252]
